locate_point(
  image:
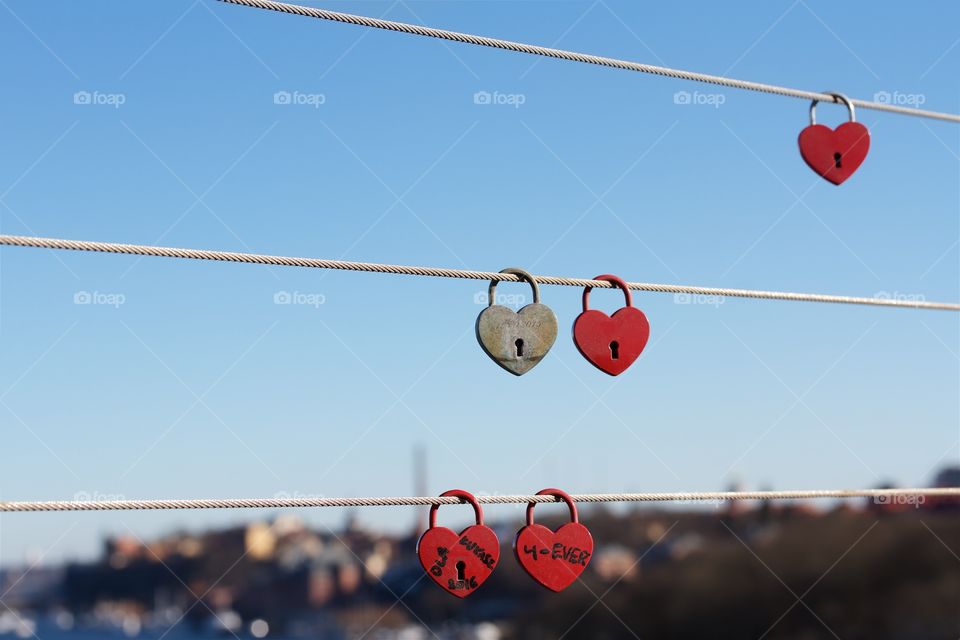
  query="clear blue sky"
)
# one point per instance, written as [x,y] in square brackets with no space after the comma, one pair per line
[199,385]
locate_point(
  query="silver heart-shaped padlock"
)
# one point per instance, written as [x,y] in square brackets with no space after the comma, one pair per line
[517,340]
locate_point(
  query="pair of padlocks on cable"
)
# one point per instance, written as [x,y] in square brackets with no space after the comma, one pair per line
[519,340]
[461,562]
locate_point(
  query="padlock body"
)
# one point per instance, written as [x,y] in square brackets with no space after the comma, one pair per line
[517,340]
[554,558]
[459,563]
[835,153]
[611,343]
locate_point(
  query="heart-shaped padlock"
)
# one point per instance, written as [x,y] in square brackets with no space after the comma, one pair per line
[459,562]
[554,558]
[517,340]
[611,343]
[834,153]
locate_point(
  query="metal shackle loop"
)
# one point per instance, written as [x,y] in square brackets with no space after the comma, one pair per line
[524,275]
[837,97]
[466,497]
[563,495]
[617,282]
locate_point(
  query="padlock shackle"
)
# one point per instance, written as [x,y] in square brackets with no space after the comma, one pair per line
[524,275]
[617,282]
[465,496]
[558,493]
[838,97]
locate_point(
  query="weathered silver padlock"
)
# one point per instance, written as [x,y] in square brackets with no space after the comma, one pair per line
[517,340]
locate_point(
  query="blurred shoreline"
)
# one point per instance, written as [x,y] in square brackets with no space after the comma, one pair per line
[883,566]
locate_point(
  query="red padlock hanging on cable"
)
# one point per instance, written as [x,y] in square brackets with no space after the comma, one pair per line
[834,153]
[459,562]
[554,558]
[611,343]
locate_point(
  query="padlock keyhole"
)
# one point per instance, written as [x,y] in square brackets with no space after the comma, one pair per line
[614,350]
[836,160]
[519,344]
[461,571]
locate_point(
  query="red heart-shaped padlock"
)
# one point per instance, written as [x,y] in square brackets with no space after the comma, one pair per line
[834,153]
[611,343]
[554,558]
[459,562]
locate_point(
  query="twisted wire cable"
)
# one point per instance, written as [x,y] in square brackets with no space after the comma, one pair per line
[373,267]
[466,38]
[882,496]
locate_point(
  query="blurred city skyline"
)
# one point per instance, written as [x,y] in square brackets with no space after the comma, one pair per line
[277,576]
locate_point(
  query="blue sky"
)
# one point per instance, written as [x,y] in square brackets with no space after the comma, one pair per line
[185,379]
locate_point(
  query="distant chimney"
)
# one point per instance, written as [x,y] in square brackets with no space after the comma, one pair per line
[419,485]
[736,507]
